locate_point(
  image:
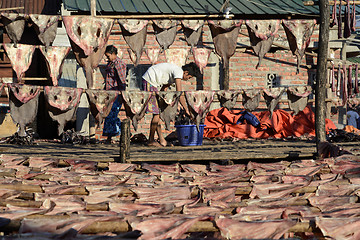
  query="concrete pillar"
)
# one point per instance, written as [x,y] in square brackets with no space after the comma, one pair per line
[82,114]
[214,69]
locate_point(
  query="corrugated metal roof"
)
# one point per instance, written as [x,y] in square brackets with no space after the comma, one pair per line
[243,7]
[51,7]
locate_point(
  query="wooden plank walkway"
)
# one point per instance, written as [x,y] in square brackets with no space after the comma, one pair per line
[240,151]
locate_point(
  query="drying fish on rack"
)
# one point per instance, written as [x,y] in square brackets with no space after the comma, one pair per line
[353,17]
[344,81]
[347,22]
[350,85]
[339,82]
[272,97]
[262,34]
[224,34]
[228,98]
[298,97]
[199,102]
[298,33]
[152,54]
[340,21]
[101,102]
[192,29]
[168,104]
[135,105]
[23,102]
[20,57]
[165,32]
[177,56]
[62,104]
[14,24]
[334,16]
[201,57]
[134,32]
[332,78]
[55,57]
[45,27]
[88,37]
[132,56]
[251,99]
[356,79]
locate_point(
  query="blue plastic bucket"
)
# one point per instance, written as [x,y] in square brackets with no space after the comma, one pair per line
[188,135]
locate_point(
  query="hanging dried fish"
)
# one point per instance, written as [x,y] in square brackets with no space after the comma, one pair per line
[334,16]
[344,85]
[353,18]
[333,83]
[347,22]
[340,21]
[350,86]
[356,79]
[134,32]
[339,82]
[165,32]
[262,34]
[228,98]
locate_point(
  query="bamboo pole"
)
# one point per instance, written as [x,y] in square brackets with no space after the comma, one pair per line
[93,8]
[12,8]
[321,73]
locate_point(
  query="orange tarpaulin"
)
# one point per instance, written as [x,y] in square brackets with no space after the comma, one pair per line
[222,123]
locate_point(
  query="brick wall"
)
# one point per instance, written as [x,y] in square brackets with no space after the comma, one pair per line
[280,63]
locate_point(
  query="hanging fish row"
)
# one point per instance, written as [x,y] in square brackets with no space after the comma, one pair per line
[62,102]
[349,18]
[89,35]
[342,82]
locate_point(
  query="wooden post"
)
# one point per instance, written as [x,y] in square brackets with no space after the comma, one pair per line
[125,140]
[321,73]
[93,8]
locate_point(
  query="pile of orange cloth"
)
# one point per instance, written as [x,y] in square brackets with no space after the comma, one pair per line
[221,123]
[351,129]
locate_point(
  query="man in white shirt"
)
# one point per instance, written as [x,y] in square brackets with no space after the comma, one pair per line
[158,78]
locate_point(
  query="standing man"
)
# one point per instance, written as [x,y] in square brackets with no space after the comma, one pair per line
[115,80]
[352,117]
[158,78]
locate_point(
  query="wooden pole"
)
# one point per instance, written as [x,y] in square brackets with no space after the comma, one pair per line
[321,73]
[125,140]
[93,8]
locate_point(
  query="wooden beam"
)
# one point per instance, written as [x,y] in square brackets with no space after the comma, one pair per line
[321,73]
[170,16]
[331,3]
